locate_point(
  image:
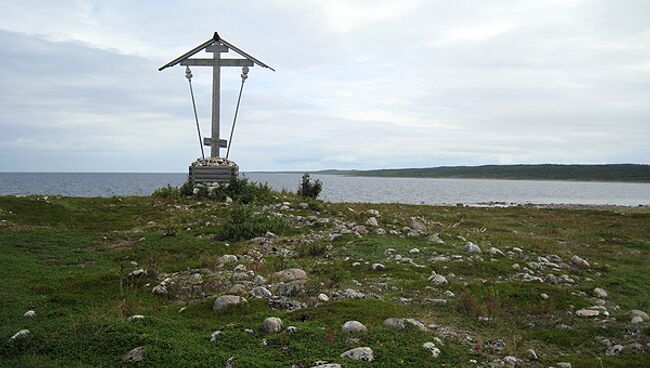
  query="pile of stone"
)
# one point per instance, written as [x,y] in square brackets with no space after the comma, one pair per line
[214,161]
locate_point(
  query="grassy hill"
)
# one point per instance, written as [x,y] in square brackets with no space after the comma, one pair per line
[87,266]
[612,172]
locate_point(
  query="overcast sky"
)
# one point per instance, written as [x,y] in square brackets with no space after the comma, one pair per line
[359,84]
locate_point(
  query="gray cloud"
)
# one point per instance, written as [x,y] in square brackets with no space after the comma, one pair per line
[360,84]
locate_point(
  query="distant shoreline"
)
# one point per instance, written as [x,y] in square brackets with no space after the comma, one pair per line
[615,173]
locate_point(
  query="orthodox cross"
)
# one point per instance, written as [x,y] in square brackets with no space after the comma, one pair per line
[216,46]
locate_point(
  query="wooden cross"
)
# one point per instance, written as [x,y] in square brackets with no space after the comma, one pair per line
[216,46]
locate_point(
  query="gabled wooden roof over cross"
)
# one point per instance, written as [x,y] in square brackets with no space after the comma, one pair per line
[216,45]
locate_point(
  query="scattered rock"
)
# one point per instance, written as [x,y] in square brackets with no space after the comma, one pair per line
[414,251]
[135,355]
[284,303]
[418,224]
[226,301]
[323,297]
[20,334]
[532,355]
[135,317]
[272,325]
[378,267]
[636,320]
[138,272]
[327,365]
[354,327]
[292,329]
[437,279]
[215,336]
[227,258]
[372,222]
[614,350]
[293,288]
[563,365]
[260,292]
[600,293]
[30,314]
[579,262]
[432,348]
[639,313]
[364,353]
[587,313]
[472,248]
[291,274]
[402,323]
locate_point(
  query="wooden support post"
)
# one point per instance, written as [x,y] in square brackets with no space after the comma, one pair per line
[216,109]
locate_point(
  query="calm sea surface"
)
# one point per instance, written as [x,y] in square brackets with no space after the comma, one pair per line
[347,189]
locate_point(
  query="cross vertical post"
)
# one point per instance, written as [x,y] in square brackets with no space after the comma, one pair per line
[216,110]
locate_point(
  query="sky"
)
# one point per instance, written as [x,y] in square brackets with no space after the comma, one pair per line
[359,84]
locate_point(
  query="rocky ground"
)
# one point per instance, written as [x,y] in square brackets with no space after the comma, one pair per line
[144,281]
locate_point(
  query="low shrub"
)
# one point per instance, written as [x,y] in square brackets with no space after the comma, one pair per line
[166,192]
[242,223]
[238,189]
[309,189]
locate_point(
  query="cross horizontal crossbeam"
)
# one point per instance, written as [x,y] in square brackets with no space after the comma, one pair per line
[208,142]
[218,62]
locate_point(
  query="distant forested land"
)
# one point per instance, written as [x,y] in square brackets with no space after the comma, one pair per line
[613,172]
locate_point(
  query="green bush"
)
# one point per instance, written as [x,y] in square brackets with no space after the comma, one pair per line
[238,189]
[242,223]
[187,188]
[309,189]
[166,192]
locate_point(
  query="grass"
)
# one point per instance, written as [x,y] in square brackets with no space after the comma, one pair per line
[68,259]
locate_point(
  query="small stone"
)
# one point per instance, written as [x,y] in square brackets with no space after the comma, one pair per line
[237,289]
[563,365]
[579,262]
[378,267]
[636,320]
[135,317]
[272,325]
[639,313]
[30,314]
[418,224]
[159,289]
[614,350]
[20,334]
[372,222]
[512,361]
[414,251]
[138,272]
[544,296]
[587,313]
[364,353]
[432,348]
[472,248]
[600,293]
[226,301]
[227,258]
[532,355]
[323,297]
[354,327]
[215,336]
[327,365]
[292,329]
[437,279]
[135,355]
[260,292]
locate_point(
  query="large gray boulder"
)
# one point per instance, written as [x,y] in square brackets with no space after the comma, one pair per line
[227,301]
